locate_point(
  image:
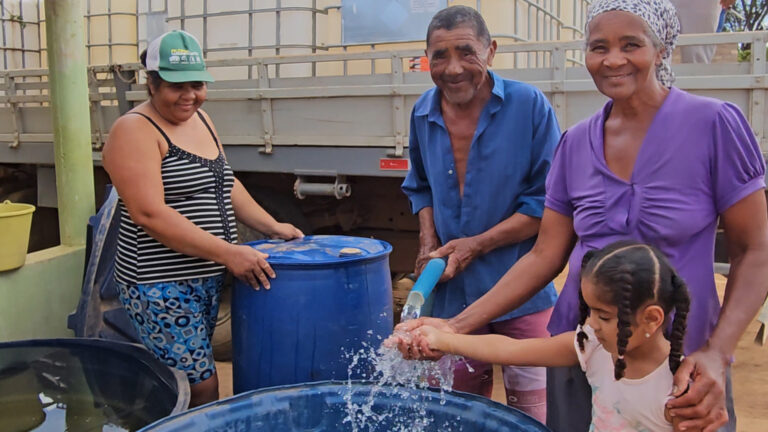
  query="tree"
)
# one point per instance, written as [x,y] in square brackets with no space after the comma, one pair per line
[747,15]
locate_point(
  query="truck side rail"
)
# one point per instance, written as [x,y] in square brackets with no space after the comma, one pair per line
[343,113]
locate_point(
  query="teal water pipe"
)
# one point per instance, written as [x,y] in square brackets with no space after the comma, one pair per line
[70,109]
[422,288]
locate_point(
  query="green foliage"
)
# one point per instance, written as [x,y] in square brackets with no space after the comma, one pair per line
[745,54]
[747,15]
[18,19]
[14,17]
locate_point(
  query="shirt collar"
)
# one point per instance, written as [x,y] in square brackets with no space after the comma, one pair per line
[497,92]
[432,109]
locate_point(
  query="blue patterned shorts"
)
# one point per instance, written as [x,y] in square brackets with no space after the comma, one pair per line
[175,321]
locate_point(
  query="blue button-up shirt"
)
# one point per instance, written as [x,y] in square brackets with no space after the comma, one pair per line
[508,161]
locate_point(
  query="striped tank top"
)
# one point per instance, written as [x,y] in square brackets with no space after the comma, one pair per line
[198,188]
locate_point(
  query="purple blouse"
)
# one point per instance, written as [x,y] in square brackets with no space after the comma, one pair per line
[698,158]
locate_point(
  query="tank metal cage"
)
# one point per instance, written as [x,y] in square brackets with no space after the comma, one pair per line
[116,30]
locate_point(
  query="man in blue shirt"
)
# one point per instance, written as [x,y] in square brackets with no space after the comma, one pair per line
[480,147]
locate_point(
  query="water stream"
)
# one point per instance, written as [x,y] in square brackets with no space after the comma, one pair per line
[393,376]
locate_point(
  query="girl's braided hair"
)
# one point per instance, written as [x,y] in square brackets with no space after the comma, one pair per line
[631,275]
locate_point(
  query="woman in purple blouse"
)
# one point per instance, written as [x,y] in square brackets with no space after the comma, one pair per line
[656,165]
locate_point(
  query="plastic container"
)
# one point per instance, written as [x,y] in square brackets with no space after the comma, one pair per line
[321,407]
[100,313]
[15,223]
[332,295]
[85,384]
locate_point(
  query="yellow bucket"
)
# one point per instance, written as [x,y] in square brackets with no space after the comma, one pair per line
[15,223]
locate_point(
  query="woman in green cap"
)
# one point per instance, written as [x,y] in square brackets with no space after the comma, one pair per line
[179,201]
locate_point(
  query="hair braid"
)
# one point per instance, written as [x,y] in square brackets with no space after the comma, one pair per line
[682,303]
[624,279]
[581,336]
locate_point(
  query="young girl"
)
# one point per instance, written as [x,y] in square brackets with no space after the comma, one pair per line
[629,292]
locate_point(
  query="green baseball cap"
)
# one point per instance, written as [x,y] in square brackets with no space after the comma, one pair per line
[177,57]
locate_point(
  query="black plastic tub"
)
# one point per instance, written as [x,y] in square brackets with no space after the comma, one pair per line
[85,385]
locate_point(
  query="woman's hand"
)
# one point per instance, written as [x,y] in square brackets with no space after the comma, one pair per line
[285,231]
[249,265]
[417,344]
[703,405]
[411,343]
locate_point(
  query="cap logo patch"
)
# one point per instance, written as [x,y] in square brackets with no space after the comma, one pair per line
[181,56]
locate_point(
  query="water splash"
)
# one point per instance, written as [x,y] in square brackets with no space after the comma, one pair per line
[393,376]
[410,311]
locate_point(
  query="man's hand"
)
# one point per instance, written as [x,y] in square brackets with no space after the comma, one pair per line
[428,243]
[703,405]
[726,4]
[460,253]
[412,344]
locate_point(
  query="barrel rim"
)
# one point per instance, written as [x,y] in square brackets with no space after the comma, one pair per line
[313,265]
[242,397]
[347,259]
[25,209]
[139,352]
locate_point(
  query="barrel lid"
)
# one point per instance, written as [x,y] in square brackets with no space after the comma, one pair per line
[322,249]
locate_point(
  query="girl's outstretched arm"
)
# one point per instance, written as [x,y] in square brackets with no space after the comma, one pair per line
[497,349]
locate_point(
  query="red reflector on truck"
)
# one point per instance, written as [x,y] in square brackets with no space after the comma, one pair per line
[393,164]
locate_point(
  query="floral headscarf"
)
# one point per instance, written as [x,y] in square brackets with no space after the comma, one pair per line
[660,16]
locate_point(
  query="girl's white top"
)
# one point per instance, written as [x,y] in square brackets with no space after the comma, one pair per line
[626,404]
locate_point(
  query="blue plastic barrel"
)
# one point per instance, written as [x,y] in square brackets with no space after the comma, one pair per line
[321,407]
[332,295]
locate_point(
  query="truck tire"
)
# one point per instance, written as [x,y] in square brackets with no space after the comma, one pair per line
[221,341]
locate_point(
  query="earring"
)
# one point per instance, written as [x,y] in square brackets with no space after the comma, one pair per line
[647,335]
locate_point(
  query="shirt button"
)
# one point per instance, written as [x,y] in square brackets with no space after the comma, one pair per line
[450,171]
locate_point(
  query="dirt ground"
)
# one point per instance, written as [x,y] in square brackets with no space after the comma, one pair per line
[750,378]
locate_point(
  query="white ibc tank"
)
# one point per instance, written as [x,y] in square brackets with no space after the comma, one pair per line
[20,34]
[117,30]
[232,29]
